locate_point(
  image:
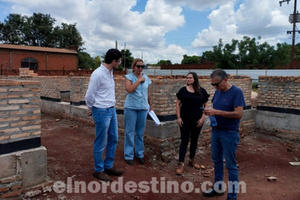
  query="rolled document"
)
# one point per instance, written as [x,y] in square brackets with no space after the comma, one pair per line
[154,117]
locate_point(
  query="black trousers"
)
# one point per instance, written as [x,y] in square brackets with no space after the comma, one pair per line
[189,130]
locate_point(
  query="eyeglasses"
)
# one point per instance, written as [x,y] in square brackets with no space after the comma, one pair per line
[216,84]
[140,66]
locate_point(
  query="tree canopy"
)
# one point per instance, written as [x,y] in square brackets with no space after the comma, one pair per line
[127,59]
[39,30]
[164,62]
[191,59]
[248,53]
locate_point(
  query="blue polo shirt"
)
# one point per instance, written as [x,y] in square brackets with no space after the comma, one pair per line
[139,98]
[226,101]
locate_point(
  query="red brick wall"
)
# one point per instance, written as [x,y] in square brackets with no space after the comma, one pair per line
[11,59]
[4,59]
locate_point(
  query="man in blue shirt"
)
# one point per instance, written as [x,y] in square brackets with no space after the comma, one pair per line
[100,100]
[228,103]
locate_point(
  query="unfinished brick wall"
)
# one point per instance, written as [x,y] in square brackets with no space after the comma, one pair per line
[51,86]
[23,161]
[278,106]
[79,86]
[279,91]
[163,90]
[20,110]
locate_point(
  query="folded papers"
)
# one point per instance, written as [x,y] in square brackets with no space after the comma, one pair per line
[154,117]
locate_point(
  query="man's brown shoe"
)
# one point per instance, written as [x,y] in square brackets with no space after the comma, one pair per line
[180,168]
[193,164]
[113,171]
[102,176]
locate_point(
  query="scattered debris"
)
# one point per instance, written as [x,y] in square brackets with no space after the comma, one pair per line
[202,167]
[57,120]
[74,126]
[295,163]
[32,193]
[272,178]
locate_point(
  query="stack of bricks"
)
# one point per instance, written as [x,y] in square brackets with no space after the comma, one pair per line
[279,91]
[26,72]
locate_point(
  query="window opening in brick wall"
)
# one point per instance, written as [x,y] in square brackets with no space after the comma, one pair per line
[30,63]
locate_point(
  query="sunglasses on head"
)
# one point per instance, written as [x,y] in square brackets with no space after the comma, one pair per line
[140,66]
[216,84]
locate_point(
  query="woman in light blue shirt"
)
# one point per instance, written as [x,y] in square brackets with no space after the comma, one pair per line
[135,111]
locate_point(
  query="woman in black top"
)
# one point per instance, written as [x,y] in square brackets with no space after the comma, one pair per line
[191,100]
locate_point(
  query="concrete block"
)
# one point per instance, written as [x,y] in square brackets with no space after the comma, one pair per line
[169,129]
[79,112]
[166,130]
[34,166]
[8,163]
[56,107]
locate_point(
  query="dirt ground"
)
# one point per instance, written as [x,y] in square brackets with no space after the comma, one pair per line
[70,154]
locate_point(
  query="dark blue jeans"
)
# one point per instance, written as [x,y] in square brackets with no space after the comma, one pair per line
[223,146]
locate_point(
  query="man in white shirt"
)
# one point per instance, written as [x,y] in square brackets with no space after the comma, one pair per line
[100,100]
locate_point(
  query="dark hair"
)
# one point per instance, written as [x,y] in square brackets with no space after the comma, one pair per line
[111,55]
[220,73]
[196,84]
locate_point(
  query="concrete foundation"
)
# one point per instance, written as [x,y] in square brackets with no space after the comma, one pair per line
[282,125]
[22,169]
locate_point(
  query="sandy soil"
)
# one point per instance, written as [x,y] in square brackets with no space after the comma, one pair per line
[70,158]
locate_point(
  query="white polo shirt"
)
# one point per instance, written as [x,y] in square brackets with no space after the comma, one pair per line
[101,90]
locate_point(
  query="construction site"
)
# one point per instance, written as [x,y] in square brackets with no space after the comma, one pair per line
[46,140]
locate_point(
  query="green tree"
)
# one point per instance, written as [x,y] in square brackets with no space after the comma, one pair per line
[85,61]
[224,56]
[283,53]
[69,36]
[247,53]
[297,51]
[256,55]
[164,62]
[38,30]
[191,59]
[127,59]
[97,62]
[11,31]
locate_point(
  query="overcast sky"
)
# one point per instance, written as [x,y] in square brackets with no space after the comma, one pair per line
[163,29]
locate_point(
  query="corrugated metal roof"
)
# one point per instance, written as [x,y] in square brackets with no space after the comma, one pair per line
[34,48]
